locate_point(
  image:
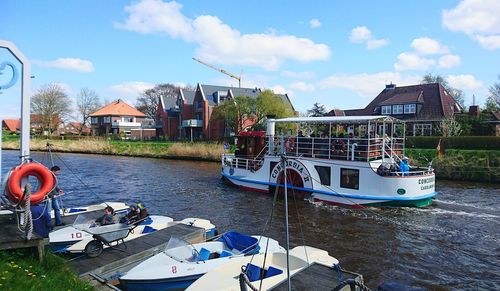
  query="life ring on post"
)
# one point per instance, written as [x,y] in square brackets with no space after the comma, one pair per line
[45,177]
[290,144]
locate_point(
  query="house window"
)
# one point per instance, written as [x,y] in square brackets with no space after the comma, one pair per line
[410,108]
[127,119]
[386,109]
[93,120]
[349,178]
[107,119]
[422,129]
[199,105]
[397,109]
[324,174]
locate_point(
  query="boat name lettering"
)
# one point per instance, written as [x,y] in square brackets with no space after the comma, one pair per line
[290,164]
[426,180]
[426,187]
[76,235]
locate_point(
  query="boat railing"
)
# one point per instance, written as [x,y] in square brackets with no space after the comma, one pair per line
[252,163]
[350,148]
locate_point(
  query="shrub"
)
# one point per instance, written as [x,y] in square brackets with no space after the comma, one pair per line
[454,142]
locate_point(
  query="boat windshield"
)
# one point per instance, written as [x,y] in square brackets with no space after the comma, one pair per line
[180,250]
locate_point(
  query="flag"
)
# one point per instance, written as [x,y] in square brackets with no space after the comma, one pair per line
[440,150]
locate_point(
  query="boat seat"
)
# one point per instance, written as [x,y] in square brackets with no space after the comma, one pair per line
[148,229]
[253,272]
[203,255]
[272,271]
[225,254]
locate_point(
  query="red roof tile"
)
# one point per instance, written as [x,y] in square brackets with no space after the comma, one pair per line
[12,125]
[118,108]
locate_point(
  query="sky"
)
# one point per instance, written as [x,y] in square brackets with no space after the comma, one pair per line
[337,53]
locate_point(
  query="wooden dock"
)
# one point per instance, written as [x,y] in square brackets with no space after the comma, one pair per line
[12,238]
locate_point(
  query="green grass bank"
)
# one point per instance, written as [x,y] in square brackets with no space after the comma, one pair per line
[21,270]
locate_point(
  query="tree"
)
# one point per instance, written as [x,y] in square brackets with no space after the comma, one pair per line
[87,102]
[457,94]
[50,104]
[449,127]
[317,110]
[494,99]
[149,99]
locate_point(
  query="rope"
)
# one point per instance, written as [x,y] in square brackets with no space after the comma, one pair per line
[28,222]
[244,281]
[353,284]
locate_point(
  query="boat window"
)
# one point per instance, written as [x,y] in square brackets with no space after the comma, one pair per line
[349,178]
[324,174]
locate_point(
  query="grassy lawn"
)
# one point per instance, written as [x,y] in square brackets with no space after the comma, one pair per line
[21,270]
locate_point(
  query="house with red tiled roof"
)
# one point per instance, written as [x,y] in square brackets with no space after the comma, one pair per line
[117,117]
[421,106]
[76,128]
[12,125]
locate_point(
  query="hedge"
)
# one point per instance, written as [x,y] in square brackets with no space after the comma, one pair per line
[454,142]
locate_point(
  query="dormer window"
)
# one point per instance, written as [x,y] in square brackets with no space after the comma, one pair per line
[410,108]
[397,109]
[386,110]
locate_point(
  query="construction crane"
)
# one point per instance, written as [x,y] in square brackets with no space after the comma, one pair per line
[220,70]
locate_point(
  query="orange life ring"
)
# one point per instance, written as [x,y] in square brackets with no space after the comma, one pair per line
[44,176]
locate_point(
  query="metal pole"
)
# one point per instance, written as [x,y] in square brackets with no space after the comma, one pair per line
[286,227]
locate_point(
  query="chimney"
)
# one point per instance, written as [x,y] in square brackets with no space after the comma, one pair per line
[474,110]
[390,86]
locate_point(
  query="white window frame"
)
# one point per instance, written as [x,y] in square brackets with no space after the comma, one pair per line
[107,119]
[397,109]
[94,120]
[410,108]
[387,109]
[422,129]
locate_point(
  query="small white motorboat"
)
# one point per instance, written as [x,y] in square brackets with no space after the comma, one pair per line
[182,263]
[117,206]
[273,273]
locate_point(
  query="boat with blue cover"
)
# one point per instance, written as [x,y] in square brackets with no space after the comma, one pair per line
[181,263]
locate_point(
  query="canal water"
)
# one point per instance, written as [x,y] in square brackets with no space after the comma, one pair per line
[451,245]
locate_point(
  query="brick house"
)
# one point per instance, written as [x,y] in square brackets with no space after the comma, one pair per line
[117,117]
[11,125]
[422,106]
[189,117]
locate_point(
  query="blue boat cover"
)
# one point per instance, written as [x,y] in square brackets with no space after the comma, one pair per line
[241,242]
[74,210]
[146,221]
[148,229]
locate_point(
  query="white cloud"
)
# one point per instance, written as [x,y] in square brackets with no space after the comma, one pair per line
[362,34]
[315,23]
[480,19]
[279,89]
[129,91]
[411,61]
[367,85]
[449,61]
[217,41]
[428,46]
[298,75]
[489,42]
[72,64]
[302,86]
[464,82]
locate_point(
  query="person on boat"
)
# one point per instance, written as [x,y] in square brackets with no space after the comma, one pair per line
[42,222]
[143,211]
[53,202]
[132,215]
[404,167]
[107,218]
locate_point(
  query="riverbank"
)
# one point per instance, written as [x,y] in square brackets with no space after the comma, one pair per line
[21,270]
[181,150]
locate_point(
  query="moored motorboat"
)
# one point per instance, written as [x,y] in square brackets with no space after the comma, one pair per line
[181,263]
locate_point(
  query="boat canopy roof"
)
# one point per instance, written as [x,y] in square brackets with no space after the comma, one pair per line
[340,119]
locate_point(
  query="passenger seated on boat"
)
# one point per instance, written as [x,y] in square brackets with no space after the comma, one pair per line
[384,169]
[143,211]
[132,215]
[107,218]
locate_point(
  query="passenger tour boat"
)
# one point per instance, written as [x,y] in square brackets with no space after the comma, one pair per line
[345,160]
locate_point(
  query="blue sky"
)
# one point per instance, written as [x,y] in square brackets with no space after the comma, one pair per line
[337,53]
